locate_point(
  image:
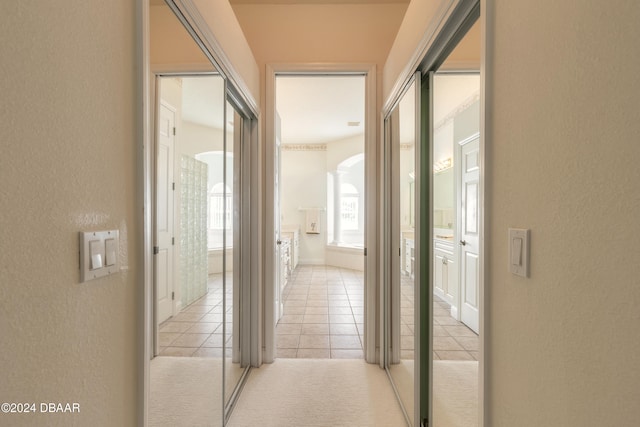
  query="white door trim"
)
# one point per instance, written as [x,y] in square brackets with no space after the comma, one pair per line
[371,194]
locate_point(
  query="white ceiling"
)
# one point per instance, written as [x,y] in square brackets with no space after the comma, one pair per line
[317,109]
[203,100]
[452,90]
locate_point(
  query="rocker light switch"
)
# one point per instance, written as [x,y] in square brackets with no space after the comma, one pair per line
[516,251]
[110,252]
[95,252]
[98,254]
[519,251]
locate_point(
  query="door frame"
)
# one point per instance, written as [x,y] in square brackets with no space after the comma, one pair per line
[371,336]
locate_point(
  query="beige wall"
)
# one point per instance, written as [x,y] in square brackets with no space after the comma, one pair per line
[563,151]
[319,33]
[69,160]
[417,23]
[226,30]
[170,43]
[315,33]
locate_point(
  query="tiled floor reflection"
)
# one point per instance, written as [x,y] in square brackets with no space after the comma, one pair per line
[323,318]
[407,317]
[323,314]
[197,329]
[452,340]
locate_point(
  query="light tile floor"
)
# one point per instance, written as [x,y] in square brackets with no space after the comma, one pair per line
[323,314]
[323,318]
[452,340]
[197,330]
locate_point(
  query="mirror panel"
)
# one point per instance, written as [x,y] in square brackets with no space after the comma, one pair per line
[234,368]
[456,240]
[401,322]
[190,210]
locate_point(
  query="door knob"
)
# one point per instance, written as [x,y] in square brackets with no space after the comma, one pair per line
[463,242]
[279,242]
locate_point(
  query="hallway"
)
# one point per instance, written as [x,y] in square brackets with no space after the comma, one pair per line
[323,314]
[296,393]
[286,393]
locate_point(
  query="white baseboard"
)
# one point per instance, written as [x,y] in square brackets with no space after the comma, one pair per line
[454,312]
[311,261]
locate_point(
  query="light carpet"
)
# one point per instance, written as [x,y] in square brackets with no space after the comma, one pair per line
[455,393]
[185,391]
[317,392]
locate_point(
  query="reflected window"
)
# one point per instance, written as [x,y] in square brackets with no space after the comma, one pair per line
[220,207]
[349,207]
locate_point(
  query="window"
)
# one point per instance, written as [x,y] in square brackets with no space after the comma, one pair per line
[348,207]
[220,207]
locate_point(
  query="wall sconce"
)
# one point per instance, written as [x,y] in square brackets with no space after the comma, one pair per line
[442,165]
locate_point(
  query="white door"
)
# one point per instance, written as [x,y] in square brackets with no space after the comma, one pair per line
[164,214]
[470,234]
[280,274]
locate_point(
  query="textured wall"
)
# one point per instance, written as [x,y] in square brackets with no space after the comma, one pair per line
[563,152]
[68,163]
[169,41]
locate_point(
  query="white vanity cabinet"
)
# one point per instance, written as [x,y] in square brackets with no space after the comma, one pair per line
[445,267]
[293,234]
[407,252]
[409,256]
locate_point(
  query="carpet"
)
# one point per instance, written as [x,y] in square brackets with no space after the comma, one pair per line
[455,393]
[317,392]
[185,391]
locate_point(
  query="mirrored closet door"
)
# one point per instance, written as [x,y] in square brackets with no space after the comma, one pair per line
[200,352]
[402,284]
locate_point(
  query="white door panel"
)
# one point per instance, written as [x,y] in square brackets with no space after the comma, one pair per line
[164,213]
[469,235]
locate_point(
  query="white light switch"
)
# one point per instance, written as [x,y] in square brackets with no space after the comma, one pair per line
[98,254]
[519,251]
[110,251]
[95,254]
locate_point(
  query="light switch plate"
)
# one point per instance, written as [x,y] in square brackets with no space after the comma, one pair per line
[98,254]
[519,251]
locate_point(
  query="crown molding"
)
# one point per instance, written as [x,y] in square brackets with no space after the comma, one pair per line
[304,147]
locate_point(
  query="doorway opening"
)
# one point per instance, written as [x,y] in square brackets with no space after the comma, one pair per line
[321,203]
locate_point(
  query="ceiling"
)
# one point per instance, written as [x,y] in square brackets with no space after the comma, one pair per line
[203,100]
[316,1]
[318,109]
